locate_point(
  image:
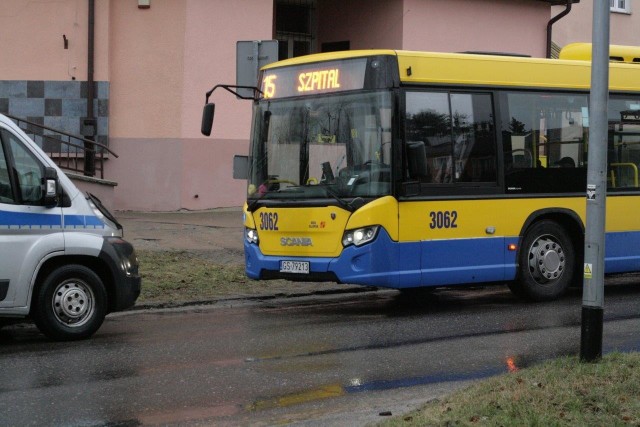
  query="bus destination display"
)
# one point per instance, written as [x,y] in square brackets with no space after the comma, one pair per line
[319,78]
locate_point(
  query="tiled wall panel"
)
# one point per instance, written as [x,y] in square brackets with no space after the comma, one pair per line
[58,104]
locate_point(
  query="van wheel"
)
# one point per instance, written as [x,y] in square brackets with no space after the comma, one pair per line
[71,303]
[546,262]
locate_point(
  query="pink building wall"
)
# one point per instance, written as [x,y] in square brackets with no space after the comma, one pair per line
[181,49]
[366,24]
[576,27]
[32,43]
[515,26]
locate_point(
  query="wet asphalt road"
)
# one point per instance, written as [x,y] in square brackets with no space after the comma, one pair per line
[330,360]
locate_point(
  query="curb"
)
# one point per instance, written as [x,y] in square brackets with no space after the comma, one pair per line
[252,298]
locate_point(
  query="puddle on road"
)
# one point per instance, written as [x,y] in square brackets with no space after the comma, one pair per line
[325,392]
[357,386]
[510,364]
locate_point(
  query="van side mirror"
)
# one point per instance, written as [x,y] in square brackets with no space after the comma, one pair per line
[50,190]
[417,159]
[207,119]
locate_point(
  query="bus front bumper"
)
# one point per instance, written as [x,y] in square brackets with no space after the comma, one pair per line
[373,264]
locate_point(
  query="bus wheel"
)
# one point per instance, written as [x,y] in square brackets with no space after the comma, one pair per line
[71,303]
[546,262]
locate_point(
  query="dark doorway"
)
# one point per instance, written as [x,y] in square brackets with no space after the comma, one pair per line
[295,27]
[336,46]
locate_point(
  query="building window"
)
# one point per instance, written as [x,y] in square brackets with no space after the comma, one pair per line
[295,27]
[620,6]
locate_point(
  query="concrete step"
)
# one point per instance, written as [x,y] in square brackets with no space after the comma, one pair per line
[102,188]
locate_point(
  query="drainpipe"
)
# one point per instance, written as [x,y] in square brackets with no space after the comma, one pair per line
[90,124]
[553,21]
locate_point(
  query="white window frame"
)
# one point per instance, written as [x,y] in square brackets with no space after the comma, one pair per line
[620,6]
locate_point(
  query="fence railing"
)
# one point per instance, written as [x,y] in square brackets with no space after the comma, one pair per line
[70,152]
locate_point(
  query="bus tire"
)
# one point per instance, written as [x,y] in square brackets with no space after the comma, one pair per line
[546,262]
[71,304]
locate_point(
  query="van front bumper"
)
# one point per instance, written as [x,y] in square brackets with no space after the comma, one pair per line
[121,258]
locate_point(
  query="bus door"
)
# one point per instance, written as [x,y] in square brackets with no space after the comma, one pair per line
[451,222]
[623,224]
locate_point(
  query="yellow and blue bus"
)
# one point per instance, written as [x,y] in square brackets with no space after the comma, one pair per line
[410,170]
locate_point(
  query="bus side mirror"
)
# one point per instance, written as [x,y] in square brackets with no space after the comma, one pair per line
[207,119]
[417,159]
[240,167]
[50,183]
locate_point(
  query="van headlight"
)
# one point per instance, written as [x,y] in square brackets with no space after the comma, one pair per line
[107,220]
[360,236]
[127,254]
[251,235]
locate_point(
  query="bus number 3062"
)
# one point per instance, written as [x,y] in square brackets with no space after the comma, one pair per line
[443,219]
[268,221]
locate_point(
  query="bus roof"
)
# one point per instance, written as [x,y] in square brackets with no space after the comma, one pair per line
[479,70]
[582,52]
[497,71]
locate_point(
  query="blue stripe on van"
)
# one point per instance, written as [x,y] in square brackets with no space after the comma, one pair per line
[29,220]
[82,221]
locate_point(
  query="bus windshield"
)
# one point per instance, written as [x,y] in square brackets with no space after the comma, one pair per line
[333,146]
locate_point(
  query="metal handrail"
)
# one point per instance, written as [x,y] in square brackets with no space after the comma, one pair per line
[69,159]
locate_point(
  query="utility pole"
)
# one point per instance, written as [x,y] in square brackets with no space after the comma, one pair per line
[593,290]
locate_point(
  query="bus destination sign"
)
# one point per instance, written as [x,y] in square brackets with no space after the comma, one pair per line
[310,79]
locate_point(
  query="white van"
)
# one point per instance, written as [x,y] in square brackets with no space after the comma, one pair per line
[63,261]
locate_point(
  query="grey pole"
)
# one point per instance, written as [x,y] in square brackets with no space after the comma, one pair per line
[593,277]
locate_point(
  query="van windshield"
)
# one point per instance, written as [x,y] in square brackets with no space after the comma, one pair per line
[336,146]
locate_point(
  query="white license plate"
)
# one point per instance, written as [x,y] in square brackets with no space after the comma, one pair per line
[300,267]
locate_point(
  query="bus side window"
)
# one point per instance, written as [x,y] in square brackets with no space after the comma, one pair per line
[474,137]
[623,155]
[459,135]
[544,141]
[428,120]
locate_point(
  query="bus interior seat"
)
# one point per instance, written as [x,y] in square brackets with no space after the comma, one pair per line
[566,162]
[520,161]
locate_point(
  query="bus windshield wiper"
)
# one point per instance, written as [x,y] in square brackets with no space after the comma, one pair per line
[252,205]
[331,192]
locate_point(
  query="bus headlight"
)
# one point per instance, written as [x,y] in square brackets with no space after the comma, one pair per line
[251,235]
[360,236]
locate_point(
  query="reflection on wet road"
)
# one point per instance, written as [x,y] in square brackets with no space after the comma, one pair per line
[325,360]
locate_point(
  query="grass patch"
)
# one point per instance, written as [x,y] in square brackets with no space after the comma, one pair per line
[562,392]
[181,276]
